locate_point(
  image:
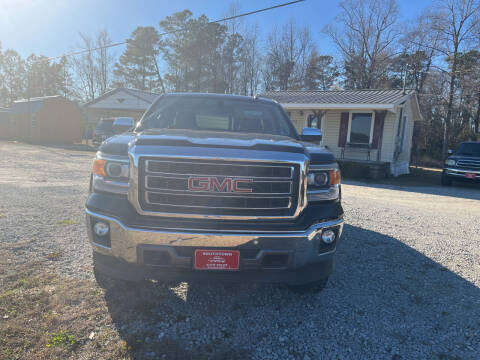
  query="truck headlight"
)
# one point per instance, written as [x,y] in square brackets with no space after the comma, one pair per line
[450,162]
[323,184]
[323,178]
[111,176]
[318,179]
[110,169]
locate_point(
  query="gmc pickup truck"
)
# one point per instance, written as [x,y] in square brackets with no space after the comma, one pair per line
[218,188]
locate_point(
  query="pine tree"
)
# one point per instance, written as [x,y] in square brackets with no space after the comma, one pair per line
[138,66]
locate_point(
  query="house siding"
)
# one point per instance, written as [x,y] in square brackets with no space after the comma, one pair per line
[121,100]
[406,153]
[331,129]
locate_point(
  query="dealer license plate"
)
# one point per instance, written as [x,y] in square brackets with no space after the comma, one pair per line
[217,259]
[470,175]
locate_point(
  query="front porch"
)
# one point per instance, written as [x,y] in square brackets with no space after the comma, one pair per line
[368,169]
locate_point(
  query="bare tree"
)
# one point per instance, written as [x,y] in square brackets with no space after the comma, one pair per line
[420,43]
[287,56]
[249,76]
[457,22]
[85,70]
[365,33]
[103,62]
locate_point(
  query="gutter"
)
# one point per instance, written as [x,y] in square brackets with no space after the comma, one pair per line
[314,106]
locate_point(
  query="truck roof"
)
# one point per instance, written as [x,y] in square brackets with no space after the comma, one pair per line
[223,96]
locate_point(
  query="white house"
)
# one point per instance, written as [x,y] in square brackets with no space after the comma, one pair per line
[119,102]
[365,126]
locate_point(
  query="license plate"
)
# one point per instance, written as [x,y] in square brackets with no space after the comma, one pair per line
[217,259]
[470,176]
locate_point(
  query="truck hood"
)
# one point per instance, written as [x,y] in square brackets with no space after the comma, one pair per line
[464,157]
[120,144]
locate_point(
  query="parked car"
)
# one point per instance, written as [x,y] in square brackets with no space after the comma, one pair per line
[463,165]
[215,187]
[106,128]
[122,124]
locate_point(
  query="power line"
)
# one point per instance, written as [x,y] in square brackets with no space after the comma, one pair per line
[79,52]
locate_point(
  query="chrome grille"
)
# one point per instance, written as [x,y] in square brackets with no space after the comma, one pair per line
[472,164]
[262,189]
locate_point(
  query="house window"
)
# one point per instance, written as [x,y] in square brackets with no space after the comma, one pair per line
[361,128]
[313,121]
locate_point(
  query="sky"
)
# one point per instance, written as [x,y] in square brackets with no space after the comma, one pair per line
[51,27]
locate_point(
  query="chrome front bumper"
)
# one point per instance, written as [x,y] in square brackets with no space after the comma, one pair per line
[126,240]
[460,172]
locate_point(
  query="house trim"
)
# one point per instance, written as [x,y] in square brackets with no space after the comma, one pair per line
[322,123]
[372,124]
[292,106]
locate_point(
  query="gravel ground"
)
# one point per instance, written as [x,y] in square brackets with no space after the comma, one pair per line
[405,286]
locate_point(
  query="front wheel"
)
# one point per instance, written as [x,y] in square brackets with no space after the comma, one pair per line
[309,288]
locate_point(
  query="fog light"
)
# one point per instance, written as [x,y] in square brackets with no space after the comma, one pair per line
[101,228]
[328,236]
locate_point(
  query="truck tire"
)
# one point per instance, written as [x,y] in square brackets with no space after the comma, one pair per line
[446,181]
[310,288]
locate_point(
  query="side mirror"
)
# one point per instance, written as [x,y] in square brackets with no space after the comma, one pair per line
[311,135]
[450,151]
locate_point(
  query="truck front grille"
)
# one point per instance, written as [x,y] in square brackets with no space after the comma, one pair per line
[215,187]
[471,164]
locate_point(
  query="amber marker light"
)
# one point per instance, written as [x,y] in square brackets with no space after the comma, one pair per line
[334,177]
[99,167]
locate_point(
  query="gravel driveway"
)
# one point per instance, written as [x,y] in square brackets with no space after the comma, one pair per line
[405,286]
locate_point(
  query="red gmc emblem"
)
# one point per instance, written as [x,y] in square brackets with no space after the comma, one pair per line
[212,184]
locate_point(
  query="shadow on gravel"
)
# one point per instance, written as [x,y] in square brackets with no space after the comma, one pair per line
[385,300]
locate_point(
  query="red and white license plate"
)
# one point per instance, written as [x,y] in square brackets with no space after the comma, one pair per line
[217,259]
[470,175]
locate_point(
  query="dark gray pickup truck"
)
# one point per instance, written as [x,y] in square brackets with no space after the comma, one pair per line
[217,188]
[463,165]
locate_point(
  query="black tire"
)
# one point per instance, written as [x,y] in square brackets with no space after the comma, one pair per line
[309,288]
[446,181]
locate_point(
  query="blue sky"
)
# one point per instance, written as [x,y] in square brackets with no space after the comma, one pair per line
[51,27]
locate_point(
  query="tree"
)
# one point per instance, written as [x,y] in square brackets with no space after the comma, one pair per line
[13,77]
[469,83]
[195,53]
[85,70]
[287,56]
[103,61]
[250,63]
[138,65]
[45,78]
[365,33]
[321,72]
[457,22]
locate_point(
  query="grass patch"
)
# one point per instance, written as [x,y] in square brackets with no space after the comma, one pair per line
[46,316]
[61,338]
[67,222]
[28,282]
[54,255]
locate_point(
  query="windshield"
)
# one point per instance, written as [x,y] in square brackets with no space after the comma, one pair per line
[124,121]
[104,125]
[203,113]
[470,149]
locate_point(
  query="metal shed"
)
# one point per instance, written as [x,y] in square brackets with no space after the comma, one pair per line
[49,119]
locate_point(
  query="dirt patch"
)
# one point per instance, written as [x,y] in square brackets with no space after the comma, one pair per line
[45,316]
